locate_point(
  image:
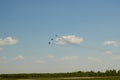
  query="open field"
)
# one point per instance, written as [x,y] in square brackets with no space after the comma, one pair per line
[68,78]
[92,78]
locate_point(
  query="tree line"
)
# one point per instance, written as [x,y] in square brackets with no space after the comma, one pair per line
[69,74]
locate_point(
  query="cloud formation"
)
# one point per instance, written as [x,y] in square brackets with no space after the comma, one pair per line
[95,60]
[111,43]
[8,41]
[108,52]
[3,59]
[1,49]
[50,56]
[19,58]
[40,61]
[116,57]
[69,58]
[89,57]
[70,39]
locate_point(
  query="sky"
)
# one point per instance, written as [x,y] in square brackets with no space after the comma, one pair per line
[38,36]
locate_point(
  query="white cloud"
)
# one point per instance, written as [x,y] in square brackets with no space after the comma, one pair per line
[116,57]
[1,49]
[70,39]
[95,60]
[69,58]
[8,41]
[3,59]
[111,43]
[99,61]
[50,56]
[90,57]
[40,61]
[108,52]
[19,58]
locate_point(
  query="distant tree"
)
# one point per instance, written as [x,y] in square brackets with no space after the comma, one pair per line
[98,73]
[114,72]
[72,74]
[111,72]
[107,72]
[118,73]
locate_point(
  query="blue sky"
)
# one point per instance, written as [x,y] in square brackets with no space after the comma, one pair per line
[88,35]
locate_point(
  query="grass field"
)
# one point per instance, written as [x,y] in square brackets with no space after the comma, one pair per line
[72,78]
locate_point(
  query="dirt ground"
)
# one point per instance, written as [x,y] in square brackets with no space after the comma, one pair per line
[81,77]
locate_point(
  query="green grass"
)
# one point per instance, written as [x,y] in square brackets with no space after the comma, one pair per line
[110,78]
[8,79]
